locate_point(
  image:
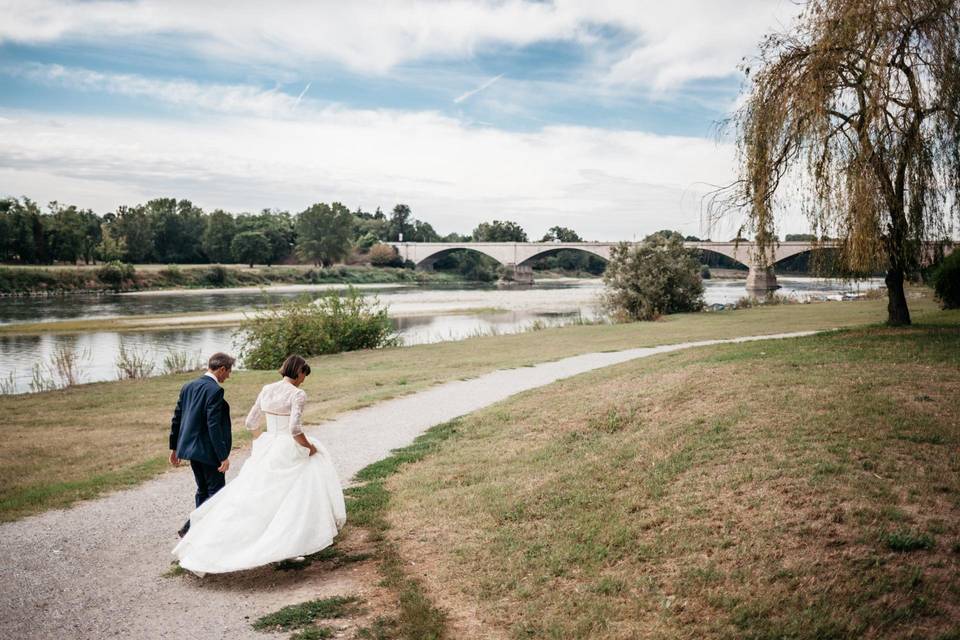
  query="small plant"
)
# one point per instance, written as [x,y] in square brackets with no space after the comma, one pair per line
[8,385]
[906,541]
[40,379]
[65,365]
[132,363]
[181,362]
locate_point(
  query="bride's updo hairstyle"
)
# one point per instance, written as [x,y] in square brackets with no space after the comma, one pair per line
[293,366]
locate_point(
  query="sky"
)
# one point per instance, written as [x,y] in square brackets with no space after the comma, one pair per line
[598,115]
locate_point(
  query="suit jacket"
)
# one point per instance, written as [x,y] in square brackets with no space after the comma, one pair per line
[200,430]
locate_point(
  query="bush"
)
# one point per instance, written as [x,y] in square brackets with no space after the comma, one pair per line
[946,281]
[172,273]
[655,278]
[115,273]
[216,275]
[383,255]
[331,324]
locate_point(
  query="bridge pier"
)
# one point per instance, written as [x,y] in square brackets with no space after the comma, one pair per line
[761,279]
[516,273]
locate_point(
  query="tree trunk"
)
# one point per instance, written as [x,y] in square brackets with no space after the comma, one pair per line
[898,315]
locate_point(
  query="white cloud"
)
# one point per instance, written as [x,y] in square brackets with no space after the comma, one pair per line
[606,184]
[657,44]
[224,98]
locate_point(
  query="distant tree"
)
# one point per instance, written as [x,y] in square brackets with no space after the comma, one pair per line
[563,234]
[277,226]
[860,104]
[400,223]
[498,231]
[24,238]
[422,232]
[693,239]
[218,236]
[111,248]
[250,247]
[177,229]
[132,228]
[657,277]
[324,233]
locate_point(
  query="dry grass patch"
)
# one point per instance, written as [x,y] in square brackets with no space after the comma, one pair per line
[787,489]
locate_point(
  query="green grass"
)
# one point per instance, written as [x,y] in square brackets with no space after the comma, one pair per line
[74,444]
[298,616]
[803,488]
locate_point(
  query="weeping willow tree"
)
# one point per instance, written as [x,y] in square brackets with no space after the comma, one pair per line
[854,114]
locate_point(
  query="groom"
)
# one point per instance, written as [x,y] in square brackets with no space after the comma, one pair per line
[200,430]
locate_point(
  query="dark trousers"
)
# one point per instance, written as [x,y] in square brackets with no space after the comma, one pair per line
[209,481]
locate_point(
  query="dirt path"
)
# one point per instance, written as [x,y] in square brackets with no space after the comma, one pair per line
[96,570]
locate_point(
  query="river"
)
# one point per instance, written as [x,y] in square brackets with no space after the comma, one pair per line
[421,314]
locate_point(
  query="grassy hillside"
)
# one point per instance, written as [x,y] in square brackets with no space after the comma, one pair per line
[803,488]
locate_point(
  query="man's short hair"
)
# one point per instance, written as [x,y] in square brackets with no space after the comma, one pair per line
[218,360]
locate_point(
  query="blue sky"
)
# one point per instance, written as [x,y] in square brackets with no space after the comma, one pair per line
[600,116]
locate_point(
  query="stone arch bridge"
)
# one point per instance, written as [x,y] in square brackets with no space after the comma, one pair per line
[518,255]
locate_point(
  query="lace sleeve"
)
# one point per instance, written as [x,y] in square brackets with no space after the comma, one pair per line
[296,412]
[256,412]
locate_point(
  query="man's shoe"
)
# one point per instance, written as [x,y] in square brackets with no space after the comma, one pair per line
[183,530]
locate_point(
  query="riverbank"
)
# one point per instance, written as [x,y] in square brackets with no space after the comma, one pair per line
[64,280]
[72,444]
[802,488]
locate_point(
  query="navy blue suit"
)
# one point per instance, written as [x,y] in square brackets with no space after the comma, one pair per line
[200,432]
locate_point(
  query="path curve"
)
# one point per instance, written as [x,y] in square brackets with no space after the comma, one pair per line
[95,570]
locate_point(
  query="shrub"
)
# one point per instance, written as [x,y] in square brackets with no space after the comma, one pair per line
[217,275]
[133,363]
[946,281]
[172,274]
[115,273]
[383,255]
[333,323]
[657,277]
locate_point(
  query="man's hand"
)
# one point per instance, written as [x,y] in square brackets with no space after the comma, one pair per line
[174,460]
[313,449]
[224,466]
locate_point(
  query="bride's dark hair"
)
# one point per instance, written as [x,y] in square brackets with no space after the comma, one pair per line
[293,366]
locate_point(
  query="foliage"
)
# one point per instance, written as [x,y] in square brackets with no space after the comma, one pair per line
[561,234]
[384,255]
[657,277]
[333,323]
[218,236]
[250,247]
[324,233]
[217,276]
[133,363]
[946,281]
[499,231]
[115,273]
[399,224]
[860,107]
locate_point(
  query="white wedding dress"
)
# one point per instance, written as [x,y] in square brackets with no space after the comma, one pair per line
[284,503]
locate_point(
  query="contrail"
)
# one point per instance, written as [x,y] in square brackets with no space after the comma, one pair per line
[485,85]
[302,93]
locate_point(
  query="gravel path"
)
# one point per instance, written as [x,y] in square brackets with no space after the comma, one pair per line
[96,570]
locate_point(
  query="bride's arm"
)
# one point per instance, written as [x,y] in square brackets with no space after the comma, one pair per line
[296,421]
[252,423]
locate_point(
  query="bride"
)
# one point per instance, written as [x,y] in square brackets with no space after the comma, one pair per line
[285,502]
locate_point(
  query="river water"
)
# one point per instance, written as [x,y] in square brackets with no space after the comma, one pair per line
[421,314]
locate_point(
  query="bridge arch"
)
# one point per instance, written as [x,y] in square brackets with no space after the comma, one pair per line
[735,258]
[547,251]
[428,261]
